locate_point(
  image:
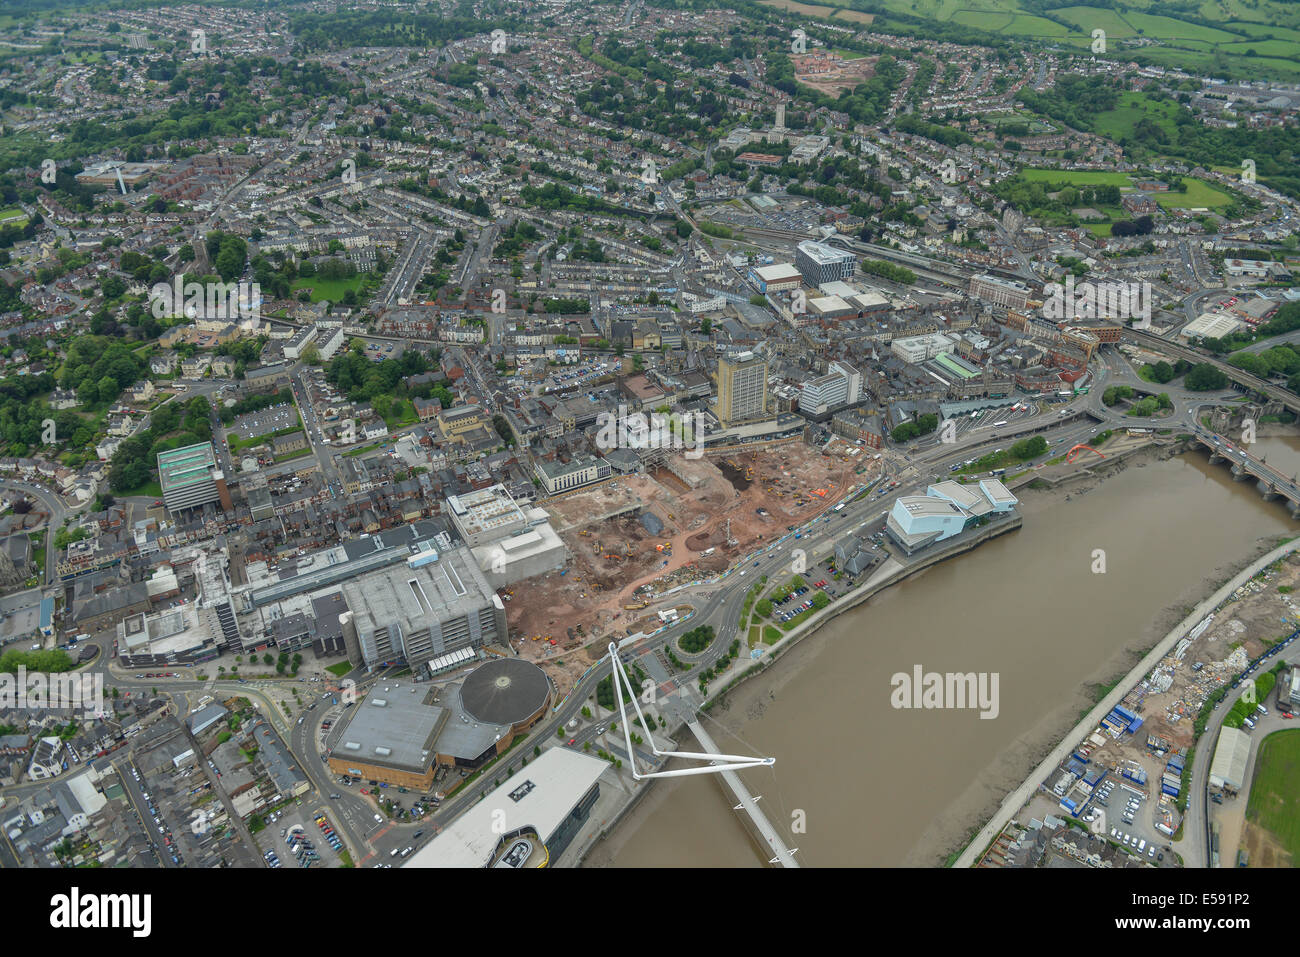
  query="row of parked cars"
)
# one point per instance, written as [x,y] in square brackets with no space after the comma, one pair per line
[328,831]
[169,847]
[801,590]
[1135,844]
[302,849]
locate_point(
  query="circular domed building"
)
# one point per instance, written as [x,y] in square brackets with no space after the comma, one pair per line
[506,691]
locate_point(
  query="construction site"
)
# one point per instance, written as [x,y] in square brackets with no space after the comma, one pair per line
[633,538]
[1156,718]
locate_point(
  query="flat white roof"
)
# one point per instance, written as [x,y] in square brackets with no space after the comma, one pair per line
[558,779]
[777,272]
[1214,325]
[828,304]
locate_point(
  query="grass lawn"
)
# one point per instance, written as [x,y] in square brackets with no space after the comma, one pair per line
[1075,177]
[1198,194]
[770,635]
[1275,790]
[13,216]
[329,289]
[148,488]
[340,669]
[1134,107]
[403,413]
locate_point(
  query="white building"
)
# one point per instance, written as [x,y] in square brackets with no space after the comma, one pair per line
[842,385]
[915,349]
[945,510]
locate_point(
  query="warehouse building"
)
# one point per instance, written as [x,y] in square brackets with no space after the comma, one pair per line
[1228,769]
[389,736]
[780,277]
[1211,325]
[544,807]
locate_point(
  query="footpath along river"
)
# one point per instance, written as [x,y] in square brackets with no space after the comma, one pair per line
[875,785]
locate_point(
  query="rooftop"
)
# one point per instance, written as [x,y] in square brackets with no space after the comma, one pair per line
[186,466]
[393,726]
[540,797]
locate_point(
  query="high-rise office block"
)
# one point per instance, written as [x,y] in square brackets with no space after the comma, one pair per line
[742,388]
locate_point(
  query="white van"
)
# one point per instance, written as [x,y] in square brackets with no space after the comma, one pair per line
[1262,710]
[1142,846]
[1249,722]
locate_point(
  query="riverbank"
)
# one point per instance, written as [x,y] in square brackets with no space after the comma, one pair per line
[1017,798]
[1031,611]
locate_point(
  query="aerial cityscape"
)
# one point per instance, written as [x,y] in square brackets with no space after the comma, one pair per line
[649,433]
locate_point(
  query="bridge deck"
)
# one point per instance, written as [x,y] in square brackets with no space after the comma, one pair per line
[770,838]
[1278,483]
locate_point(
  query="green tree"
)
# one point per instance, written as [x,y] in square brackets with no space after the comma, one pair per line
[1204,377]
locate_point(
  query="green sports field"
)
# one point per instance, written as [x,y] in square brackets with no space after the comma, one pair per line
[1274,803]
[1199,194]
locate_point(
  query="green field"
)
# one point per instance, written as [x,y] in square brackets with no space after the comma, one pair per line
[331,290]
[1076,177]
[1133,107]
[147,489]
[1199,193]
[1275,790]
[1221,46]
[12,216]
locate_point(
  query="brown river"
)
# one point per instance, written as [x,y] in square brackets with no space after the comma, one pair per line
[868,784]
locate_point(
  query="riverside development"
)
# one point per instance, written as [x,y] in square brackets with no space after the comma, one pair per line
[736,435]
